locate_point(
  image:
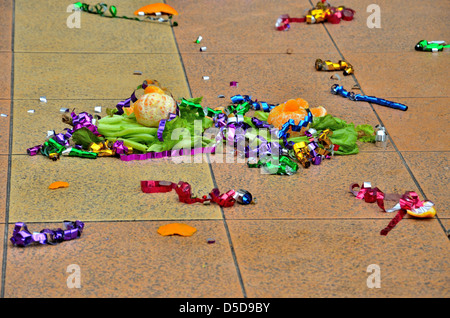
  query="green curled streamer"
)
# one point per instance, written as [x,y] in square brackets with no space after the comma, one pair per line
[101,9]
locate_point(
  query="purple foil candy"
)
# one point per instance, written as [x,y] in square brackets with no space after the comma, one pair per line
[34,150]
[162,125]
[119,147]
[22,236]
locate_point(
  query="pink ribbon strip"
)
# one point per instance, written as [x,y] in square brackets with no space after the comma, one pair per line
[168,154]
[408,201]
[183,189]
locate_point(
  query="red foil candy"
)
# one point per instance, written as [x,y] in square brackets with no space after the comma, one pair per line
[183,189]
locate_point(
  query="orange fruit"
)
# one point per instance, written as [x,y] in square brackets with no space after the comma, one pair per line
[157,7]
[129,110]
[292,109]
[151,108]
[319,111]
[153,89]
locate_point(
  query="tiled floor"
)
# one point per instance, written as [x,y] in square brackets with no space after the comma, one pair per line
[306,236]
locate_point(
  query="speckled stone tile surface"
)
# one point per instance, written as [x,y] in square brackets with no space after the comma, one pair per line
[433,175]
[400,27]
[317,192]
[126,259]
[3,186]
[70,76]
[224,29]
[5,106]
[5,75]
[69,31]
[394,75]
[331,258]
[424,124]
[103,189]
[6,7]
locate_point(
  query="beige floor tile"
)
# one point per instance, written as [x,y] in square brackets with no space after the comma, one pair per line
[433,176]
[400,27]
[256,33]
[331,258]
[6,7]
[424,124]
[93,76]
[395,75]
[103,189]
[3,186]
[5,75]
[5,106]
[126,259]
[94,34]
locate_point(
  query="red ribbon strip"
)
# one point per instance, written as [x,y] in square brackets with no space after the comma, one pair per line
[183,189]
[408,201]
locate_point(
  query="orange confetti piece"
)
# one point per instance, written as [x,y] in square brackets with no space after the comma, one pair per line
[157,7]
[176,229]
[58,184]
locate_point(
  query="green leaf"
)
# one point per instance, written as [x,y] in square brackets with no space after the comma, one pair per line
[366,133]
[85,137]
[262,115]
[111,111]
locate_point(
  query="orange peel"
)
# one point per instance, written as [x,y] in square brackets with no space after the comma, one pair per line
[157,7]
[176,229]
[58,184]
[293,109]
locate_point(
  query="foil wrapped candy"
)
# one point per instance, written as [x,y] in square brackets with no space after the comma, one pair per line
[23,237]
[184,191]
[314,151]
[108,149]
[330,66]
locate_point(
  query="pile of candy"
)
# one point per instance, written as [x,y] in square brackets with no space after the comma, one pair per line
[63,143]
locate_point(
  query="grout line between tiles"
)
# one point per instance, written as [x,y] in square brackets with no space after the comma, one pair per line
[230,242]
[10,140]
[416,182]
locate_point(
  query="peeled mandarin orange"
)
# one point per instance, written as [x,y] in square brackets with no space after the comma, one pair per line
[153,89]
[319,111]
[151,108]
[129,110]
[292,109]
[157,7]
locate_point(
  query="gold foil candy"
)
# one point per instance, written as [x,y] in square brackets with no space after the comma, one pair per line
[96,147]
[302,153]
[106,153]
[54,156]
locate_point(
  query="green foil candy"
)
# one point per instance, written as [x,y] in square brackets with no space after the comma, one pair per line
[74,152]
